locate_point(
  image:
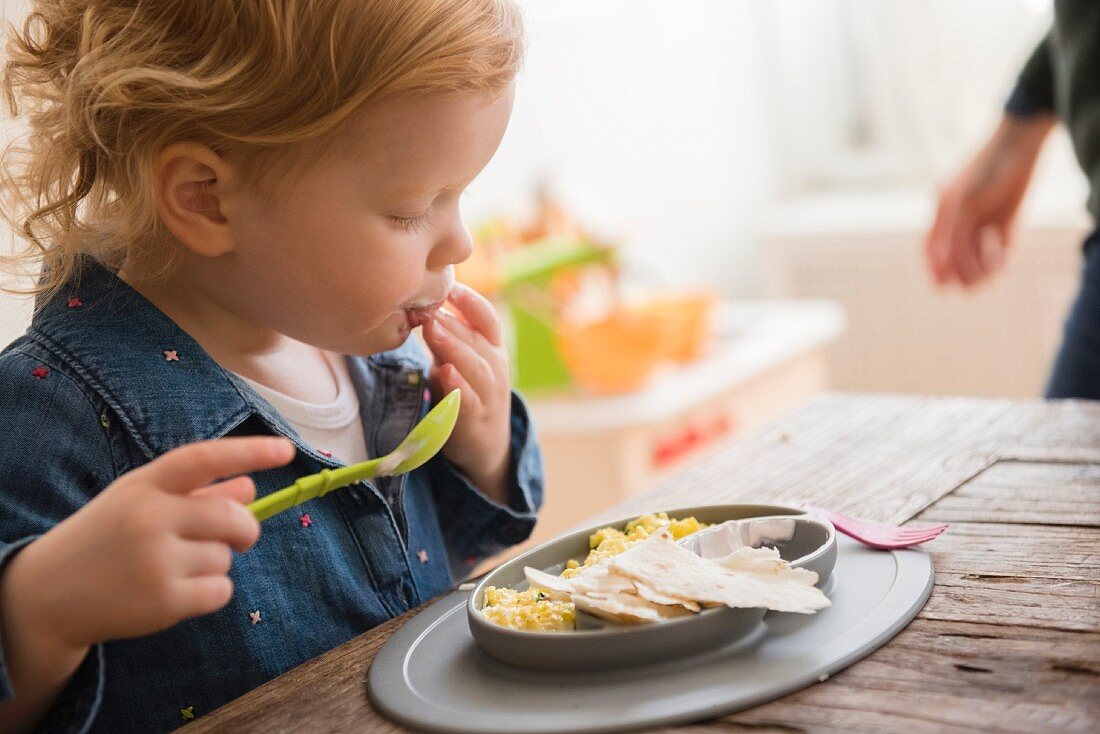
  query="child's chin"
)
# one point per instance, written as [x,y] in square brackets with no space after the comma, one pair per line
[390,334]
[391,338]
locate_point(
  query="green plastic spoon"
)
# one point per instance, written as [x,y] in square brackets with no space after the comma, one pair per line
[423,442]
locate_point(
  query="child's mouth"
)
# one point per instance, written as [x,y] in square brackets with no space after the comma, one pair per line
[417,315]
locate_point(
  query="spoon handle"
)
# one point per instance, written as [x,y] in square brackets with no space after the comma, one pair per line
[423,442]
[312,486]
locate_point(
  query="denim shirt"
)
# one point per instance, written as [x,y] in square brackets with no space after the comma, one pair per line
[103,382]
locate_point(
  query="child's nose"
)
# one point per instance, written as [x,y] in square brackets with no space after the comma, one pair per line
[454,246]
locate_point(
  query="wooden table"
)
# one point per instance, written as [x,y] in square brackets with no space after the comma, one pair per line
[1010,639]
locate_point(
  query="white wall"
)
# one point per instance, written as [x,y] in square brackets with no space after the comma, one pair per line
[15,311]
[682,121]
[646,116]
[674,124]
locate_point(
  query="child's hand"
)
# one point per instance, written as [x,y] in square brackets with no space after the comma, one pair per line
[152,549]
[470,355]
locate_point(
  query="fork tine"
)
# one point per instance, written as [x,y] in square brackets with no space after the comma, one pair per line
[880,536]
[912,543]
[889,533]
[917,539]
[898,529]
[894,544]
[838,519]
[885,538]
[934,529]
[890,541]
[933,526]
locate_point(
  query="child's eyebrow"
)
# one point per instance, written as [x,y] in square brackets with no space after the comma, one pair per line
[418,193]
[424,192]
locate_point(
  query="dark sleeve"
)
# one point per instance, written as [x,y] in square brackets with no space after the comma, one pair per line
[54,456]
[474,526]
[1034,90]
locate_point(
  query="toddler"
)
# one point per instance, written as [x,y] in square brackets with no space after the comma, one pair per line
[241,209]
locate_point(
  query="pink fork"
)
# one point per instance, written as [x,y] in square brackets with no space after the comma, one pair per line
[879,536]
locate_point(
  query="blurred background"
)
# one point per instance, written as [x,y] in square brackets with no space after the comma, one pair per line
[764,171]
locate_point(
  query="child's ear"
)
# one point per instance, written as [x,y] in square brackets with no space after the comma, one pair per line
[192,183]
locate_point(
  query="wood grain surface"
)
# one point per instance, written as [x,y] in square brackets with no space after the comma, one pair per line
[1008,642]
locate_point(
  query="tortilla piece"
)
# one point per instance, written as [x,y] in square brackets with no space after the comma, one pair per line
[608,596]
[765,562]
[622,607]
[599,581]
[656,597]
[593,581]
[556,588]
[667,568]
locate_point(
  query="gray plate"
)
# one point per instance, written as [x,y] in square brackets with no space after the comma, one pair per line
[597,644]
[431,675]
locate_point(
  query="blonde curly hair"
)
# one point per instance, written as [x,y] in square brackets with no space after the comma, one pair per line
[105,84]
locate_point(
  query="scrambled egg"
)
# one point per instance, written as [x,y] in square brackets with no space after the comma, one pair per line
[532,610]
[529,610]
[607,542]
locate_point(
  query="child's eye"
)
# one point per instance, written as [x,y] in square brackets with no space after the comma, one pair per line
[411,224]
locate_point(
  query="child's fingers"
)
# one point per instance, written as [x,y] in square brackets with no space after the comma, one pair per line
[461,329]
[202,594]
[477,310]
[189,467]
[449,379]
[447,347]
[205,558]
[492,355]
[434,383]
[238,489]
[215,518]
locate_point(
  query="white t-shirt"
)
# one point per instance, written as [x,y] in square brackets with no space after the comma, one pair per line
[333,427]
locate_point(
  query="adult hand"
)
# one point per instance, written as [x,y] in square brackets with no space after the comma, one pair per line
[976,216]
